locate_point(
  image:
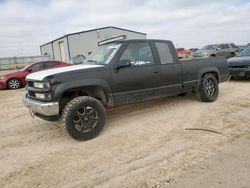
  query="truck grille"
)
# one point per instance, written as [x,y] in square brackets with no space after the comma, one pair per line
[31,94]
[238,66]
[30,84]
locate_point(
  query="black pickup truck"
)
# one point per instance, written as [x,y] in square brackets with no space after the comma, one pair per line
[119,72]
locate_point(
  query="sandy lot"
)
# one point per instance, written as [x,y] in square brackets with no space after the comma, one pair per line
[143,145]
[230,168]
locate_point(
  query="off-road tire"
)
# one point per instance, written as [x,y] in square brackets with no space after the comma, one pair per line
[209,89]
[14,84]
[71,110]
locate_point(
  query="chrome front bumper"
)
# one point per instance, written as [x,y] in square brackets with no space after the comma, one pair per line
[44,108]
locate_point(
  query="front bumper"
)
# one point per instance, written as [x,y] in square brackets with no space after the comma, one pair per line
[240,72]
[43,108]
[3,84]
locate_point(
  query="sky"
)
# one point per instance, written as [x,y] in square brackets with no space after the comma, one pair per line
[27,24]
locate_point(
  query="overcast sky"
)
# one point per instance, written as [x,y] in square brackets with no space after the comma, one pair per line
[26,24]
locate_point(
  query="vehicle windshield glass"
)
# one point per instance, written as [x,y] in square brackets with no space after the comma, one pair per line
[245,52]
[103,54]
[25,68]
[209,47]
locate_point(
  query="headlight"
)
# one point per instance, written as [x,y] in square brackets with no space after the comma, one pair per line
[43,95]
[42,85]
[2,77]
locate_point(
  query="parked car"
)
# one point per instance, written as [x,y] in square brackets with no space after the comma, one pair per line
[183,53]
[239,65]
[193,49]
[16,79]
[116,73]
[213,50]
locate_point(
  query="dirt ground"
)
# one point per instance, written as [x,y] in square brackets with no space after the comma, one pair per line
[229,168]
[142,145]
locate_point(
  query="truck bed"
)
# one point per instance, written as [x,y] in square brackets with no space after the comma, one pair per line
[193,69]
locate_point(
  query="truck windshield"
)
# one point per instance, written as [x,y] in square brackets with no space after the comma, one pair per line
[103,54]
[209,47]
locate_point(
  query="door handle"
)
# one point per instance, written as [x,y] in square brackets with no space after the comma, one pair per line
[156,72]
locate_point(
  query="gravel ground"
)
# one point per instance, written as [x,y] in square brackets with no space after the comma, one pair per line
[142,145]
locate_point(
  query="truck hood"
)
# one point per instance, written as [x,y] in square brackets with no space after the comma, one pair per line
[39,76]
[239,60]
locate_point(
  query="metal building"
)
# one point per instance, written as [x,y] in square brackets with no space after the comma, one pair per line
[83,43]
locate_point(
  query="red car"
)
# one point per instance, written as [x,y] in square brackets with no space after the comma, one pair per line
[183,53]
[16,79]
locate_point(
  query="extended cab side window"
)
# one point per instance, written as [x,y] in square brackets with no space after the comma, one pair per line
[164,53]
[139,54]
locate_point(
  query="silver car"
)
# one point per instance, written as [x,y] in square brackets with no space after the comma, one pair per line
[224,50]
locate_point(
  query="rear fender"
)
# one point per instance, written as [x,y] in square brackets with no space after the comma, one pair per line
[206,70]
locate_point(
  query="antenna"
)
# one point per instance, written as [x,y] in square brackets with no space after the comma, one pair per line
[112,39]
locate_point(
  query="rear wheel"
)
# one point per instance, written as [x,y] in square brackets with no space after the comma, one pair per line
[14,84]
[209,89]
[84,118]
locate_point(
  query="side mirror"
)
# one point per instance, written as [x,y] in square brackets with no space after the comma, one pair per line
[29,69]
[123,63]
[218,48]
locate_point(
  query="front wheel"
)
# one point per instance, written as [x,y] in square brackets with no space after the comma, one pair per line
[84,118]
[209,89]
[14,84]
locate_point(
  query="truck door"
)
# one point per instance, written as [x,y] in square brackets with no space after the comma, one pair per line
[170,70]
[139,81]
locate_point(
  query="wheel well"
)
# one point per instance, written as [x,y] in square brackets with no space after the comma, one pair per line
[92,91]
[215,75]
[212,55]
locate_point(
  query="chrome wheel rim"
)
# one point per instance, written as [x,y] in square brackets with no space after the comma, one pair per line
[14,84]
[210,87]
[85,119]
